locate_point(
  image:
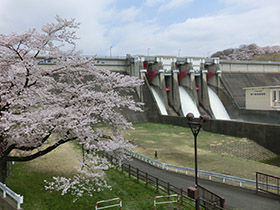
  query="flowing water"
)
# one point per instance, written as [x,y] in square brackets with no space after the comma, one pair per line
[187,103]
[217,106]
[159,101]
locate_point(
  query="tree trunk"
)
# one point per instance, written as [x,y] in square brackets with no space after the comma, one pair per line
[3,170]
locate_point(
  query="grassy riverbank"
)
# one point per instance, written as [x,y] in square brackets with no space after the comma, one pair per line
[239,157]
[27,179]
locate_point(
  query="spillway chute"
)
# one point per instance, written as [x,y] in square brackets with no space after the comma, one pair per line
[159,101]
[187,103]
[217,106]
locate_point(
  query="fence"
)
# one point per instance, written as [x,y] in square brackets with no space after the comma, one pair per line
[165,202]
[209,199]
[268,183]
[109,206]
[12,194]
[222,177]
[162,185]
[157,183]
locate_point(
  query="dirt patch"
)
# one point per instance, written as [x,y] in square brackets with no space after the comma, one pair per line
[61,160]
[169,135]
[243,148]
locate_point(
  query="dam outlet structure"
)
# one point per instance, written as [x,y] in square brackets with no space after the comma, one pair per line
[182,85]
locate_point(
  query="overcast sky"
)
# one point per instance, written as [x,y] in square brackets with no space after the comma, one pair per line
[165,27]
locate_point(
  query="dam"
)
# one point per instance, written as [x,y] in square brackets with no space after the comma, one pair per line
[174,86]
[190,84]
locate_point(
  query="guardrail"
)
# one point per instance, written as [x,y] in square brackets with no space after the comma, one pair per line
[166,166]
[12,194]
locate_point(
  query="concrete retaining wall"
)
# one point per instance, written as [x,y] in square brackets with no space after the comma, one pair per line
[266,135]
[133,116]
[259,116]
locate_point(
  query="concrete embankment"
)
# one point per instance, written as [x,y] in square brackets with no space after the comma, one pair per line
[234,82]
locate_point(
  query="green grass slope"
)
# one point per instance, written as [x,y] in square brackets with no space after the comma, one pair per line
[239,157]
[27,179]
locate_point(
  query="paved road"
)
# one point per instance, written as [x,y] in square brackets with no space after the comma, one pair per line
[236,197]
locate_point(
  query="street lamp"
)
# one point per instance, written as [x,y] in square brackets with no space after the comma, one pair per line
[195,126]
[148,51]
[110,51]
[179,53]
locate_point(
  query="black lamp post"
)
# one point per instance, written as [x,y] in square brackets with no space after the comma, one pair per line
[195,126]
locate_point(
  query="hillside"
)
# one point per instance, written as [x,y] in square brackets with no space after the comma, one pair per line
[250,52]
[267,57]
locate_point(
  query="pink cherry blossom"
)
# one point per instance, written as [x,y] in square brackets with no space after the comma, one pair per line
[245,52]
[61,101]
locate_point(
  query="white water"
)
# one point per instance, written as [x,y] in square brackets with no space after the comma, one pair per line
[159,101]
[187,103]
[217,106]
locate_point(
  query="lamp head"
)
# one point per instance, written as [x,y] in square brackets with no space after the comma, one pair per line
[204,118]
[190,116]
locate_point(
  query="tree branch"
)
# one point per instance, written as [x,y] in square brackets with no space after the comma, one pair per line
[4,107]
[34,83]
[43,141]
[40,153]
[8,150]
[38,52]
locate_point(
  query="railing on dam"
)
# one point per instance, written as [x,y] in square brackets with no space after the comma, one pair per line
[249,66]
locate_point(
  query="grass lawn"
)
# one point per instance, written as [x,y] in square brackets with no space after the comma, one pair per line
[28,178]
[218,153]
[239,157]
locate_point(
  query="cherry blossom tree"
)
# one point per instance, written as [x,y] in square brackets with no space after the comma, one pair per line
[45,106]
[245,52]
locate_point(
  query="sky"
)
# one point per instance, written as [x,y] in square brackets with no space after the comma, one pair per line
[154,27]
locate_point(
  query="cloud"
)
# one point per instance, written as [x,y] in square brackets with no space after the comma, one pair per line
[198,36]
[128,15]
[163,5]
[22,15]
[171,4]
[133,28]
[151,3]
